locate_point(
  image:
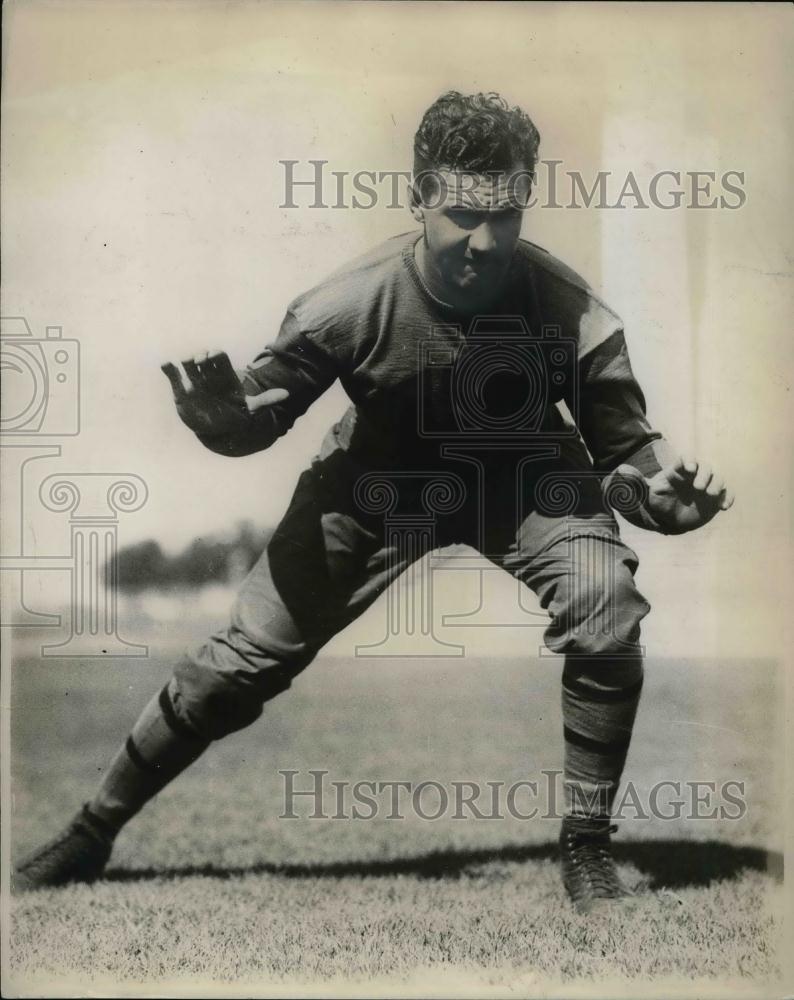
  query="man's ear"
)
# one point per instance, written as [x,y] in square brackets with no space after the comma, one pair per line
[415,205]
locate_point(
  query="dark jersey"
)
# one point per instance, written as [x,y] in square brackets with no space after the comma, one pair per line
[420,375]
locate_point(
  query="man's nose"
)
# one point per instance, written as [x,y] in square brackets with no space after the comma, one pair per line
[482,240]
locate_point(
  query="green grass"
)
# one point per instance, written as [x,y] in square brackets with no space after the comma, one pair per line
[208,884]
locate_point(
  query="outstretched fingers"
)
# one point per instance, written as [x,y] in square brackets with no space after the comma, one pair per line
[174,376]
[209,372]
[719,494]
[703,478]
[194,368]
[716,487]
[688,470]
[206,372]
[699,477]
[210,376]
[220,378]
[684,469]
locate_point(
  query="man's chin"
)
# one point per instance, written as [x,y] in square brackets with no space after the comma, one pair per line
[477,288]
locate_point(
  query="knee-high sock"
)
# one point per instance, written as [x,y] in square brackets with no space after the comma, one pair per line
[159,748]
[599,704]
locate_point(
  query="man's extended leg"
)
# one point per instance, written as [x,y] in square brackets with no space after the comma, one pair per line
[584,576]
[321,569]
[158,749]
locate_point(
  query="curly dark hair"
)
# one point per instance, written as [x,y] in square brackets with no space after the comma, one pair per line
[479,132]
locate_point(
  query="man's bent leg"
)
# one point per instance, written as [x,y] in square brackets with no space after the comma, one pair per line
[320,571]
[218,688]
[584,577]
[158,749]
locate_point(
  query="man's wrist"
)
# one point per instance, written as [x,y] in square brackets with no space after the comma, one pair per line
[628,495]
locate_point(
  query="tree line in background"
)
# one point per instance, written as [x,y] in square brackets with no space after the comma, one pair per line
[223,558]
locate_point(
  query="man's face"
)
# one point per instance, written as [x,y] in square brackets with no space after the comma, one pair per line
[472,223]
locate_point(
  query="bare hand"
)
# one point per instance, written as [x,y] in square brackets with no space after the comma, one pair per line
[685,495]
[212,400]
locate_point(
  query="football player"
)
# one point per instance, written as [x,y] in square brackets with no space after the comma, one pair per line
[468,351]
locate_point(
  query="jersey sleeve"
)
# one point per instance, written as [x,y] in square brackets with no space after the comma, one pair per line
[293,362]
[611,411]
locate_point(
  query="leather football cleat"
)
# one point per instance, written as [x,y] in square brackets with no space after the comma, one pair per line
[78,854]
[588,869]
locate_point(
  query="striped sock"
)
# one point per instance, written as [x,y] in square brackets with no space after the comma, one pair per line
[159,748]
[599,703]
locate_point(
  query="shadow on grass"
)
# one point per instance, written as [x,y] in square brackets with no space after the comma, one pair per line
[664,863]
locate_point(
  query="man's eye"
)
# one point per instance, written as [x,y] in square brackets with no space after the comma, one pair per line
[464,219]
[507,215]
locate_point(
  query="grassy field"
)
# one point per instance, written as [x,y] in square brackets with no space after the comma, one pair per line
[209,884]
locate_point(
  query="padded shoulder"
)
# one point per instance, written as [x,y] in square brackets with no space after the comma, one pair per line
[352,294]
[565,298]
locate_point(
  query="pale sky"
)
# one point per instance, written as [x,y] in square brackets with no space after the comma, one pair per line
[141,192]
